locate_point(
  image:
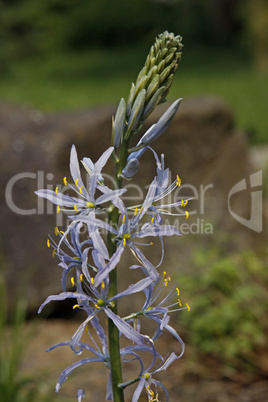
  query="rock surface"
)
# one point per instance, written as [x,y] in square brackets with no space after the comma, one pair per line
[201,145]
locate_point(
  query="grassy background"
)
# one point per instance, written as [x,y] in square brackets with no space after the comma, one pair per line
[73,80]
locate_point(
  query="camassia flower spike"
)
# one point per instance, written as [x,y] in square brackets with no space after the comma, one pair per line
[103,225]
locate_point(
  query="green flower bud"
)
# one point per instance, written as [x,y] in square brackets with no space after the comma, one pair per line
[119,123]
[136,112]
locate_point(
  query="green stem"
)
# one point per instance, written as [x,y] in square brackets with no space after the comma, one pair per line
[113,333]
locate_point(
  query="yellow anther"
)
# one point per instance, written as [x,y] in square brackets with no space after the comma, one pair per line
[97,306]
[81,277]
[179,302]
[76,182]
[102,285]
[48,243]
[126,236]
[75,306]
[178,181]
[72,281]
[141,210]
[61,231]
[124,218]
[169,277]
[65,181]
[188,307]
[184,203]
[178,291]
[56,190]
[151,392]
[152,220]
[53,252]
[187,214]
[151,243]
[136,212]
[92,280]
[58,209]
[89,205]
[75,208]
[166,278]
[57,231]
[80,190]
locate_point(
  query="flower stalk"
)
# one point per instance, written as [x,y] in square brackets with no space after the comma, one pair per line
[151,88]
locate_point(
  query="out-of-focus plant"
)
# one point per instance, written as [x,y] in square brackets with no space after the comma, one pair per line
[229,305]
[14,386]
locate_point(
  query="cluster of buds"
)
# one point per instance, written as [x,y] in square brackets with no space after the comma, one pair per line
[151,87]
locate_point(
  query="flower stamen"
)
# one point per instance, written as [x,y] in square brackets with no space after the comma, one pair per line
[178,181]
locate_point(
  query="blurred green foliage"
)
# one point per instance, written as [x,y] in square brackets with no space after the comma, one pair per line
[33,27]
[64,55]
[229,301]
[14,386]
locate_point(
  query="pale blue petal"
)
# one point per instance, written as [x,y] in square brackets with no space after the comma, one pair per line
[127,330]
[63,200]
[109,389]
[90,165]
[99,244]
[177,336]
[80,394]
[159,384]
[94,177]
[162,124]
[94,222]
[74,342]
[63,296]
[147,266]
[121,207]
[64,375]
[167,363]
[80,344]
[109,196]
[149,198]
[137,154]
[129,350]
[162,174]
[75,172]
[134,288]
[138,390]
[131,168]
[101,275]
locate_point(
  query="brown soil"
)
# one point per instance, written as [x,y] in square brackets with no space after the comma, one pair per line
[204,380]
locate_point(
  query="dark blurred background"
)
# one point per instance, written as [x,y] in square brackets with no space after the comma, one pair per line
[64,65]
[59,55]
